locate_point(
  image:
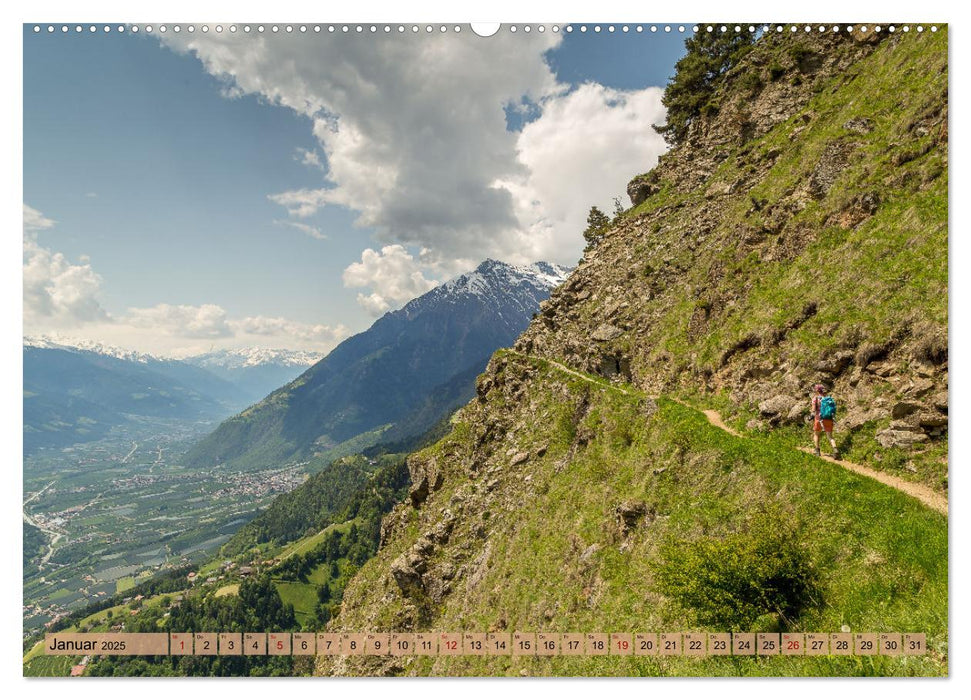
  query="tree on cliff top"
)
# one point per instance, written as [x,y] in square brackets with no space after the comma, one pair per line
[697,75]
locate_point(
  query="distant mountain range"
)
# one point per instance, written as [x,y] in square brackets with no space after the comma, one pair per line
[255,371]
[401,376]
[76,390]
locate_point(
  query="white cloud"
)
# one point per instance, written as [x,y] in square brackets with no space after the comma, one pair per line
[413,129]
[301,203]
[581,151]
[392,273]
[57,292]
[63,296]
[412,135]
[35,221]
[309,158]
[179,329]
[286,328]
[311,231]
[183,320]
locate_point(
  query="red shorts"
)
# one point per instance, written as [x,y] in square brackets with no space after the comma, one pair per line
[822,425]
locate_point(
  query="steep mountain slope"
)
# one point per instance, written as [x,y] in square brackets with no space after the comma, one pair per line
[373,381]
[798,234]
[255,371]
[75,395]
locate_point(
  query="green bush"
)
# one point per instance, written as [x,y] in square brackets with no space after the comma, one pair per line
[751,83]
[729,582]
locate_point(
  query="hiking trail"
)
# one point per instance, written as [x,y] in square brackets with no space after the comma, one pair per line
[927,496]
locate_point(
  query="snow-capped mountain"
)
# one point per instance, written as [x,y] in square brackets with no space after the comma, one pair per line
[252,372]
[411,368]
[254,357]
[76,391]
[47,342]
[256,371]
[508,288]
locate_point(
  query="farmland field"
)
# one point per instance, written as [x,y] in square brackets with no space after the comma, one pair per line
[115,512]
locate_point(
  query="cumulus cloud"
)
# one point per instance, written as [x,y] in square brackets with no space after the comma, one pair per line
[392,273]
[286,328]
[413,136]
[57,292]
[413,129]
[184,320]
[35,221]
[168,327]
[60,295]
[582,151]
[309,158]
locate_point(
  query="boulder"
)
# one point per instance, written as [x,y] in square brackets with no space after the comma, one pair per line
[835,363]
[629,513]
[920,387]
[902,409]
[856,417]
[426,477]
[640,188]
[931,419]
[899,438]
[779,404]
[881,369]
[797,412]
[519,458]
[405,573]
[606,332]
[423,546]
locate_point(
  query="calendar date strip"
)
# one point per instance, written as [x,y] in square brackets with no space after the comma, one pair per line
[688,644]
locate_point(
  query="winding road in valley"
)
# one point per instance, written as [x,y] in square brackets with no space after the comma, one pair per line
[54,535]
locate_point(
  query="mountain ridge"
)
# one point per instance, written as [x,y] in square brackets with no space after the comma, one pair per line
[372,380]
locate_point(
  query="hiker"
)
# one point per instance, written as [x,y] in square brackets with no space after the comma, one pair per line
[823,412]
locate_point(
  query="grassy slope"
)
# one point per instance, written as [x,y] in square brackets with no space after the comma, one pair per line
[882,557]
[890,270]
[875,275]
[884,278]
[303,596]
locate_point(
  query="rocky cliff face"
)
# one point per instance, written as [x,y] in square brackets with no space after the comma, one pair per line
[799,235]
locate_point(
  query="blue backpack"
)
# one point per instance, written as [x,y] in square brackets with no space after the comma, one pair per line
[827,408]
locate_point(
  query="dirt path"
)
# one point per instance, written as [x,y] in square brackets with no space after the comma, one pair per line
[928,497]
[572,372]
[925,495]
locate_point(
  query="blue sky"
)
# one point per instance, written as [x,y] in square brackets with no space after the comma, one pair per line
[152,164]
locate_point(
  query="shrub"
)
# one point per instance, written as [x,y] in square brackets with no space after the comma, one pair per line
[729,582]
[751,83]
[799,53]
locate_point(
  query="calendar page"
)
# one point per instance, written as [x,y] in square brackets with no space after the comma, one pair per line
[485,350]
